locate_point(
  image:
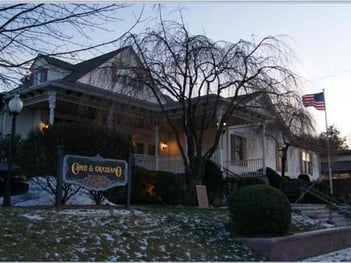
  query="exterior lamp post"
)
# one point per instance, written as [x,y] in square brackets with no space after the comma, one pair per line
[15,107]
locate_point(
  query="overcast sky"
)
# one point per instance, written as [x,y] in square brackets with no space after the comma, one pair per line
[319,34]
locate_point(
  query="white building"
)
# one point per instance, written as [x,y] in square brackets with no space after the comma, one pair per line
[98,90]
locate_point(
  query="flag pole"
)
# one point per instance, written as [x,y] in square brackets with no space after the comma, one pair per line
[328,147]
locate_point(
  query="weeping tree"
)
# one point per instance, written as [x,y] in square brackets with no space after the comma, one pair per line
[294,124]
[59,29]
[207,79]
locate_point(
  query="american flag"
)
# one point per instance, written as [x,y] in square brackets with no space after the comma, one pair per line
[316,100]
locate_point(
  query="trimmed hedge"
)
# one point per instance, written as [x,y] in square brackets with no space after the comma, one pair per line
[213,179]
[155,187]
[259,210]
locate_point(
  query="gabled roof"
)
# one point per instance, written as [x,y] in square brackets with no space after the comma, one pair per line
[56,62]
[85,67]
[82,68]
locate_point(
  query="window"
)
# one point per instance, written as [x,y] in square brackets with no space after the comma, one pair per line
[279,160]
[43,75]
[139,148]
[40,76]
[306,162]
[238,150]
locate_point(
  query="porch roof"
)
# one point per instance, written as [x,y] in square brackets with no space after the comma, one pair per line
[338,166]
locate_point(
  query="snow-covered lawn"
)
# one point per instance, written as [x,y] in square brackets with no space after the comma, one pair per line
[116,234]
[113,233]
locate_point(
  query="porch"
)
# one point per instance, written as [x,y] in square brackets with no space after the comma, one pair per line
[174,164]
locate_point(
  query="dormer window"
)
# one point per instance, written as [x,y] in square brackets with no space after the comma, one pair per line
[40,76]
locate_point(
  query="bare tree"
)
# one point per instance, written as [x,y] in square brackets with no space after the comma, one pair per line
[294,124]
[52,29]
[96,196]
[336,141]
[48,184]
[207,78]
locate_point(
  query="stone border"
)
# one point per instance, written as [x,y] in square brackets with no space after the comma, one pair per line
[302,245]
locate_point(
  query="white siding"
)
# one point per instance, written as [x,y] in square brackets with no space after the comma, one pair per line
[102,78]
[294,162]
[54,72]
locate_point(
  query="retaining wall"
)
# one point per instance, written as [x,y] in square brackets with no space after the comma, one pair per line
[301,246]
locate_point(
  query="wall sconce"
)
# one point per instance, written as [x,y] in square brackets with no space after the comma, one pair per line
[224,127]
[43,126]
[164,146]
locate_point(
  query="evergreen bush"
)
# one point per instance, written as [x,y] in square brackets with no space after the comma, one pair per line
[39,150]
[305,178]
[213,179]
[259,210]
[147,186]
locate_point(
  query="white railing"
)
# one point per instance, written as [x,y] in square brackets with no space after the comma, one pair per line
[174,164]
[146,161]
[170,163]
[245,168]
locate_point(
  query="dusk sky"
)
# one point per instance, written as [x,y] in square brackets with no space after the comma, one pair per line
[319,34]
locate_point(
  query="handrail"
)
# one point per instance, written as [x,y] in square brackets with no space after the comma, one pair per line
[242,175]
[333,202]
[305,192]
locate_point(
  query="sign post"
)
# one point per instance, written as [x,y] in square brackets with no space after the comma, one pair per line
[60,153]
[128,187]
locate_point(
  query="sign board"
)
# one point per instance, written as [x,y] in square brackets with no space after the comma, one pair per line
[201,194]
[94,173]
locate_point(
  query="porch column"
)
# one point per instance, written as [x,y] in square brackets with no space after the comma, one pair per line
[263,125]
[186,146]
[109,121]
[220,143]
[220,161]
[52,105]
[156,146]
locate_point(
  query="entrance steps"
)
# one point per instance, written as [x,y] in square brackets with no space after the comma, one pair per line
[323,213]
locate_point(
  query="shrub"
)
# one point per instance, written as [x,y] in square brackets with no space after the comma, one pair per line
[305,178]
[77,139]
[39,150]
[233,183]
[140,177]
[4,148]
[155,187]
[243,182]
[213,179]
[168,187]
[259,210]
[116,195]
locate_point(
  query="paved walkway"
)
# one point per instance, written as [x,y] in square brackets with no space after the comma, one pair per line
[336,256]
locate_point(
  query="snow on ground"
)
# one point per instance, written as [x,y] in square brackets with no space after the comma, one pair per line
[37,197]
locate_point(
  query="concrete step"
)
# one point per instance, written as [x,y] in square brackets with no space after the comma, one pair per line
[322,213]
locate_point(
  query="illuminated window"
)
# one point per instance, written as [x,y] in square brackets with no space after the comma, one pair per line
[306,162]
